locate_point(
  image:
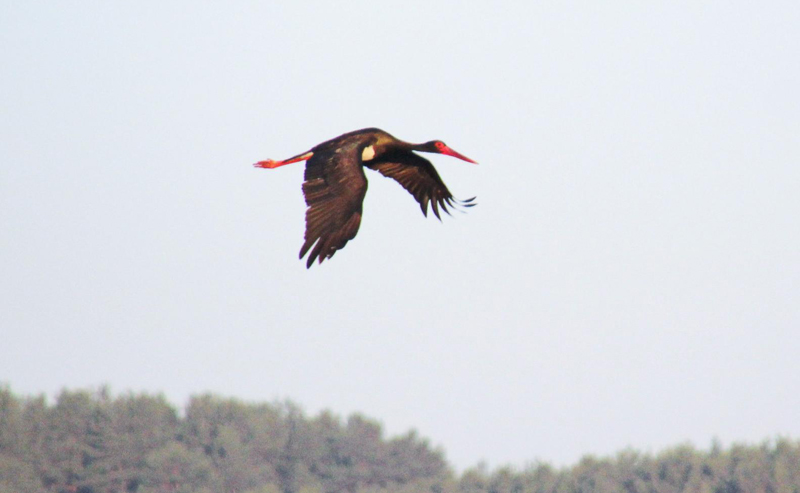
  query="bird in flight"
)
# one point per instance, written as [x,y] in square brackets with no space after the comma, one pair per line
[335,184]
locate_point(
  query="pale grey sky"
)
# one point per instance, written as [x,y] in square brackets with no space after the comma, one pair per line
[630,277]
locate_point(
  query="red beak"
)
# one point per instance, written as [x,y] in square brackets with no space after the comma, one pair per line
[451,152]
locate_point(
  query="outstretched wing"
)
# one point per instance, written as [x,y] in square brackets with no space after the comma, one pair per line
[417,175]
[334,189]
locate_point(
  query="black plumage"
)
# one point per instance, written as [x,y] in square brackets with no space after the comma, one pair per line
[335,184]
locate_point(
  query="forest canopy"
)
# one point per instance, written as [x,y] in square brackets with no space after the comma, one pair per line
[92,442]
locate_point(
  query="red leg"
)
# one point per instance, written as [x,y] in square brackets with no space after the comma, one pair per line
[270,163]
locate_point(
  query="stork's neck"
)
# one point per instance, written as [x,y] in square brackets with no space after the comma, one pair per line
[385,144]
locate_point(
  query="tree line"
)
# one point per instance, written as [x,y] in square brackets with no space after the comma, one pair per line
[92,442]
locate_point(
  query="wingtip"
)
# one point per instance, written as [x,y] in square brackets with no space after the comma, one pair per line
[303,250]
[435,207]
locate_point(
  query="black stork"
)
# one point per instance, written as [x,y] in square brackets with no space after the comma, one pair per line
[335,184]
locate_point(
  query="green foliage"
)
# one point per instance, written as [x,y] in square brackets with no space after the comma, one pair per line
[89,442]
[17,476]
[176,468]
[770,467]
[92,443]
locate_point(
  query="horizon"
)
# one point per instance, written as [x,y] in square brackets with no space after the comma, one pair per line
[715,443]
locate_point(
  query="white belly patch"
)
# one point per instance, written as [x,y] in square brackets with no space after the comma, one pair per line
[368,153]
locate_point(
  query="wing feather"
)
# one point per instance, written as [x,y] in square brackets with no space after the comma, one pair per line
[334,190]
[418,176]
